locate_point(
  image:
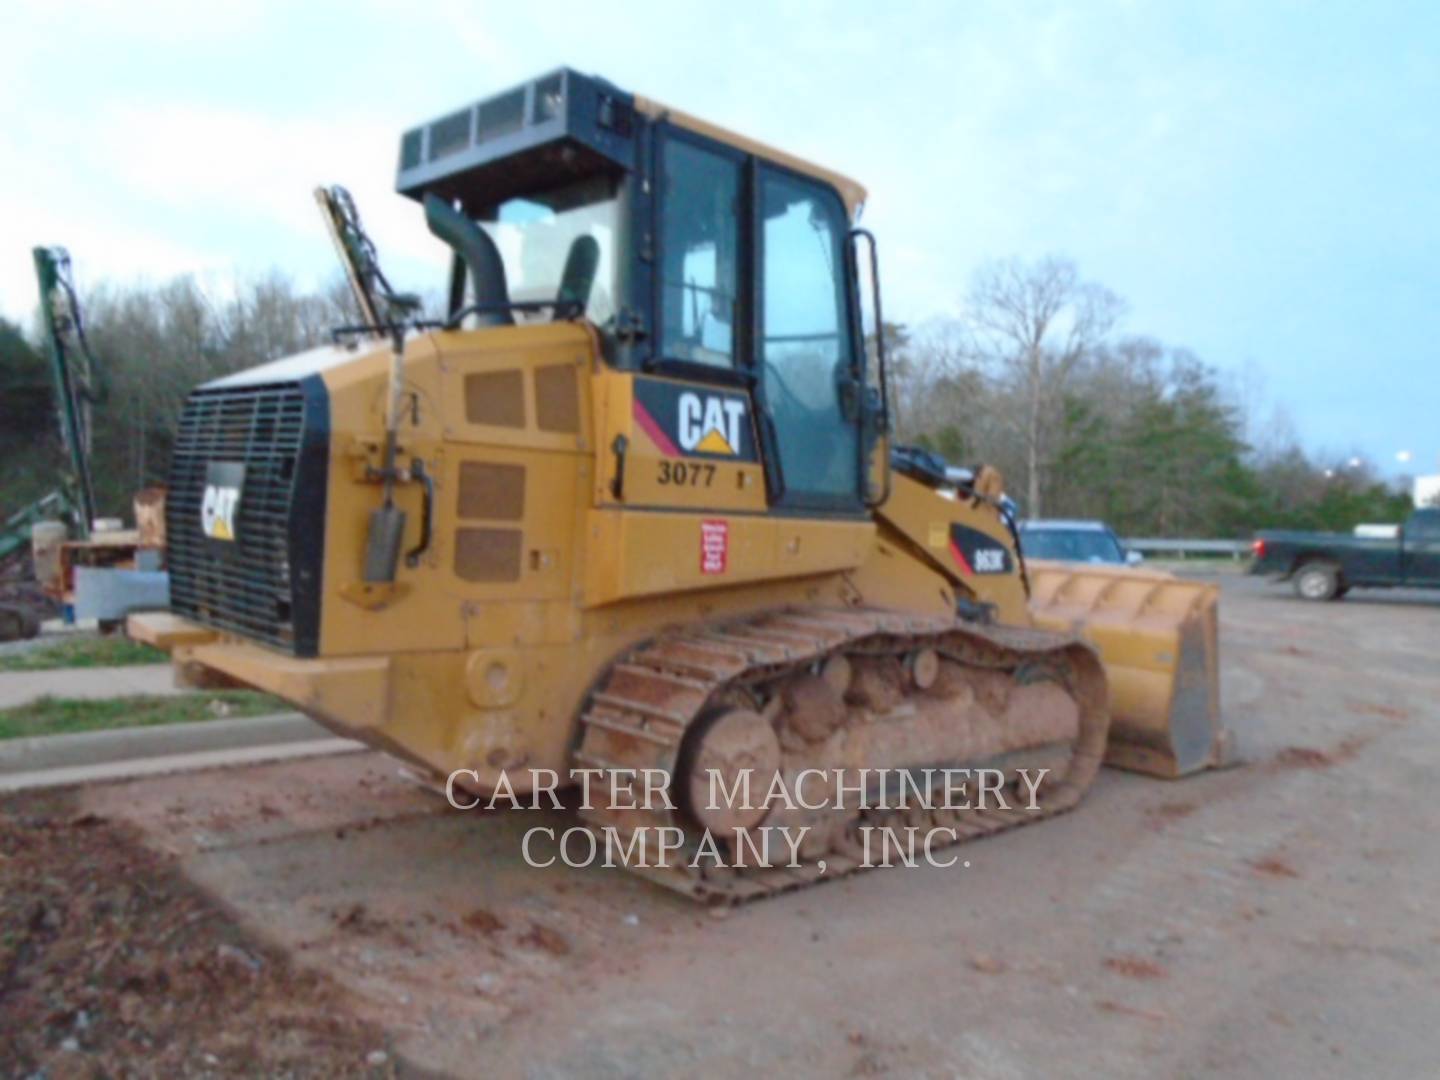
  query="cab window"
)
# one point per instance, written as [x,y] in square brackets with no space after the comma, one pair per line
[699,254]
[1424,526]
[805,350]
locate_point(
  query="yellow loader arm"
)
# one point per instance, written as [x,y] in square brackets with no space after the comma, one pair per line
[1157,634]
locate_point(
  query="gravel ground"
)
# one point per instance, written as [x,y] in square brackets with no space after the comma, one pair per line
[1277,917]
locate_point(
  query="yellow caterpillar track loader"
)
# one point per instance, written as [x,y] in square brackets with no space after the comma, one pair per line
[629,504]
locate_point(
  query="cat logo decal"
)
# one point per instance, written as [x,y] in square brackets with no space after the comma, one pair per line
[220,504]
[710,424]
[694,421]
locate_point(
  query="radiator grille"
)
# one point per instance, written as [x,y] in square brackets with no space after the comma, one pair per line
[252,585]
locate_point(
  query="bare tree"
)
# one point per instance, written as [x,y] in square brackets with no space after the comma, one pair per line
[939,398]
[156,343]
[1032,324]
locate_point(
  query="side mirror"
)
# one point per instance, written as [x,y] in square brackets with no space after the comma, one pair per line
[1133,558]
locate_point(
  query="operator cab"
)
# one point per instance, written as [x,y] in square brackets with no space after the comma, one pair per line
[698,254]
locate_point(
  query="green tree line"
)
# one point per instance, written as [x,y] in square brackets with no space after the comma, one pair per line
[1030,376]
[152,345]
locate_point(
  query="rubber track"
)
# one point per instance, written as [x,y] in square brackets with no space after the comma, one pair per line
[639,713]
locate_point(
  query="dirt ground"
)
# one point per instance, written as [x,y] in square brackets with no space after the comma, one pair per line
[329,916]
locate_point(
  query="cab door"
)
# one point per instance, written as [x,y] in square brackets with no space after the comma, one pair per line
[692,442]
[807,360]
[697,471]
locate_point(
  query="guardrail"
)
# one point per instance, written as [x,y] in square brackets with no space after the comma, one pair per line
[1236,549]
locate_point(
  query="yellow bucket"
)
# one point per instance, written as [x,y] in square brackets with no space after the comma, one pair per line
[1158,638]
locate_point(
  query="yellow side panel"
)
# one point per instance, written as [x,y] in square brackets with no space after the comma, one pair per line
[509,401]
[637,553]
[921,519]
[656,472]
[545,524]
[892,577]
[490,392]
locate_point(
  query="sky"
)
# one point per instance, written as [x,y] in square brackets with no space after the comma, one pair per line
[1260,181]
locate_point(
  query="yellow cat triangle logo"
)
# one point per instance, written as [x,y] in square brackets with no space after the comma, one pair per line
[714,443]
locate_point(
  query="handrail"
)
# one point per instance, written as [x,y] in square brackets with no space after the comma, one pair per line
[881,373]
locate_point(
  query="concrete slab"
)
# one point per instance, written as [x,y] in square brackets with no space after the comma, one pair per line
[120,744]
[22,687]
[139,768]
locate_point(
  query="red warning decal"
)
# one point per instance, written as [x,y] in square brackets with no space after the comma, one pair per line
[714,546]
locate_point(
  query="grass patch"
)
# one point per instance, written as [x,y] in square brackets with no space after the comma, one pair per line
[82,652]
[62,716]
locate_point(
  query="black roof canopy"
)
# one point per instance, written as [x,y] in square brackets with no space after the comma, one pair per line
[541,135]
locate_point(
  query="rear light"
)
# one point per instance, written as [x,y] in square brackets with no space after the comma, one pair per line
[1257,548]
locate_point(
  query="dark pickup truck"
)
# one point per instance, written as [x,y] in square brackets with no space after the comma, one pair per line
[1324,566]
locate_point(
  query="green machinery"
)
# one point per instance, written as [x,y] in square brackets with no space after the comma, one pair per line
[73,369]
[73,374]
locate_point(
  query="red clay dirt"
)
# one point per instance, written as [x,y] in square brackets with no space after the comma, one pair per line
[111,958]
[384,922]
